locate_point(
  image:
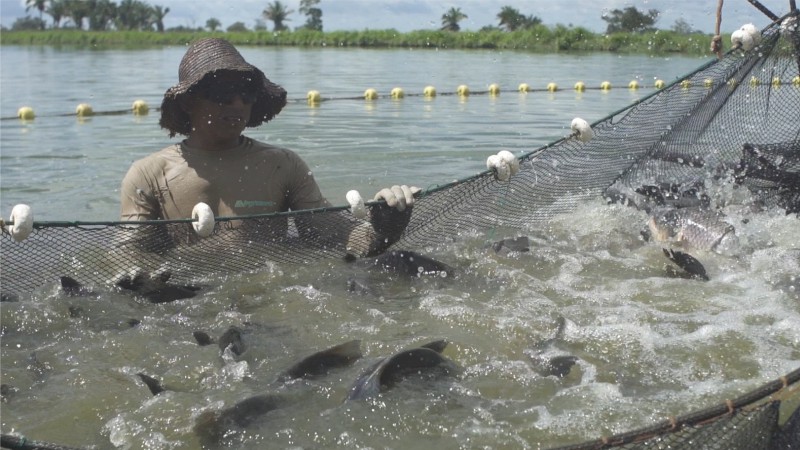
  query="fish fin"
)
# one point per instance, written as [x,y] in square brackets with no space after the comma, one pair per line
[152,384]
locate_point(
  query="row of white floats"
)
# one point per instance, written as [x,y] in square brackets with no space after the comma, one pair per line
[504,165]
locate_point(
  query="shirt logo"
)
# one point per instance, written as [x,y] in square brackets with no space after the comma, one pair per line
[253,203]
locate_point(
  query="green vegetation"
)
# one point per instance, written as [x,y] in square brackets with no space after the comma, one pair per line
[134,23]
[539,38]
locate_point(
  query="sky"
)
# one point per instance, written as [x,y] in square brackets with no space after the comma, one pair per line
[409,15]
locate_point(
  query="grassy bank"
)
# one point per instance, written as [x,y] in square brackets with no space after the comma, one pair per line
[538,39]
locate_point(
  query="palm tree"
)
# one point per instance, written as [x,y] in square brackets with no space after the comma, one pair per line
[158,16]
[277,13]
[101,13]
[36,4]
[314,14]
[77,10]
[510,18]
[57,11]
[134,15]
[451,18]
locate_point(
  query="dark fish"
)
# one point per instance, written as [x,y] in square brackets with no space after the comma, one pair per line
[519,244]
[232,338]
[212,426]
[8,297]
[6,392]
[14,442]
[406,262]
[202,338]
[152,384]
[546,365]
[389,371]
[688,263]
[156,289]
[357,285]
[73,288]
[322,362]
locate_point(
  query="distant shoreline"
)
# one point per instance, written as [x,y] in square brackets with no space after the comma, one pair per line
[539,39]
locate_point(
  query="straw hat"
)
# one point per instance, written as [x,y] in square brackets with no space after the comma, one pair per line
[203,58]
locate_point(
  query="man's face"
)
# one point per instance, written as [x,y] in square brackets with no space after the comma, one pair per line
[220,107]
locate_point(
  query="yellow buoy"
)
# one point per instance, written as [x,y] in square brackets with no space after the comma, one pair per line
[708,82]
[140,107]
[313,97]
[84,110]
[796,80]
[605,85]
[686,84]
[659,84]
[494,89]
[524,87]
[370,94]
[429,91]
[552,87]
[776,81]
[754,81]
[580,86]
[398,93]
[462,90]
[633,85]
[26,113]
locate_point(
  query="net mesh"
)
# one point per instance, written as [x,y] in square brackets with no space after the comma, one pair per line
[737,116]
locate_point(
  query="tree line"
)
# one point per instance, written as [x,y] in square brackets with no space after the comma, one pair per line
[128,15]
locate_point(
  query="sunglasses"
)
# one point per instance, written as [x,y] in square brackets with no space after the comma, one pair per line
[226,93]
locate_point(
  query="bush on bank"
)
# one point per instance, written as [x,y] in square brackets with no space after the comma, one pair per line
[536,39]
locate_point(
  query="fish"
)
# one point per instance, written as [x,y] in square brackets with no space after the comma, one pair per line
[15,442]
[202,338]
[6,392]
[156,289]
[212,426]
[73,288]
[232,339]
[322,362]
[8,297]
[407,263]
[387,372]
[544,363]
[519,244]
[694,228]
[647,197]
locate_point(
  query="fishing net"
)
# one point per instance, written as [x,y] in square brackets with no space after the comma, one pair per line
[735,118]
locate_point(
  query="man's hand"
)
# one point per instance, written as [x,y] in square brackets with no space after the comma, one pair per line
[398,197]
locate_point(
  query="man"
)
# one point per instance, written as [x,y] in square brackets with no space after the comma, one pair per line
[218,95]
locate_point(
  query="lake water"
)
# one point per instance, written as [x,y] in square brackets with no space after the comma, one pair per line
[649,345]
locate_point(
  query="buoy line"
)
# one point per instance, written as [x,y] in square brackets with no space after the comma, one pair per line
[315,98]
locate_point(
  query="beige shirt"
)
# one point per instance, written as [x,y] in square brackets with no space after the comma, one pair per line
[252,178]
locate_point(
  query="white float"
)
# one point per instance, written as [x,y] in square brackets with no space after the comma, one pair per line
[356,204]
[22,217]
[582,129]
[203,219]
